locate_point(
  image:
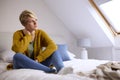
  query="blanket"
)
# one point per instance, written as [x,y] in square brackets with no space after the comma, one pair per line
[107,71]
[30,74]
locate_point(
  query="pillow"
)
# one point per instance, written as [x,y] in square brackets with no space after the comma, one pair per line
[71,55]
[7,55]
[62,49]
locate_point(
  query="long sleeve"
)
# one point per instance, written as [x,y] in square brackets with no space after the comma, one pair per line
[50,46]
[20,41]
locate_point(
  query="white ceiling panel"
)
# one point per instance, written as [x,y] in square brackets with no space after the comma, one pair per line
[76,16]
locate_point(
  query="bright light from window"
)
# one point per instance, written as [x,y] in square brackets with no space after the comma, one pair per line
[111,10]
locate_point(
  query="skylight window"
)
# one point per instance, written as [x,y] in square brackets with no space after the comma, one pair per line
[109,9]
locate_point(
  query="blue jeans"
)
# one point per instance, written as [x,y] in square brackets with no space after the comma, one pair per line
[22,61]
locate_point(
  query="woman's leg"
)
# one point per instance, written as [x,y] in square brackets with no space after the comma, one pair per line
[56,60]
[22,61]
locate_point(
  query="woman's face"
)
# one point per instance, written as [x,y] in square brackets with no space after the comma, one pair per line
[31,24]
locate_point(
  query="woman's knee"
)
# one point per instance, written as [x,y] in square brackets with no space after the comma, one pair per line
[56,53]
[17,56]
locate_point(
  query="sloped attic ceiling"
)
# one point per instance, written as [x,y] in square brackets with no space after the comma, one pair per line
[75,14]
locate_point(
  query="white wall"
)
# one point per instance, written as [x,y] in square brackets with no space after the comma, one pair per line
[102,53]
[9,19]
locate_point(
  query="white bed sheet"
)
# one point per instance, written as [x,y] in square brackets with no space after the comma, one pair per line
[78,65]
[81,65]
[30,74]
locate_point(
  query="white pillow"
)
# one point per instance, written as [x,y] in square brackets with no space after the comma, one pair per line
[71,55]
[7,55]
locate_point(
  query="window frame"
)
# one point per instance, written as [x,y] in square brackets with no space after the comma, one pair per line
[108,24]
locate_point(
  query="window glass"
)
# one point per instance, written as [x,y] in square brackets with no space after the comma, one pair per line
[109,9]
[112,12]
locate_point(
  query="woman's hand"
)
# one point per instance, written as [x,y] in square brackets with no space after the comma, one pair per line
[30,33]
[36,60]
[26,31]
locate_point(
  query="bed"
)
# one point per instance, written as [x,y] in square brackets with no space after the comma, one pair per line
[75,69]
[72,67]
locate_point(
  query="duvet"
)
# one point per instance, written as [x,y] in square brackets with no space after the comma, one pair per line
[71,71]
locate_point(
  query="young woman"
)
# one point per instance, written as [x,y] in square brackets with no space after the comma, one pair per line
[34,48]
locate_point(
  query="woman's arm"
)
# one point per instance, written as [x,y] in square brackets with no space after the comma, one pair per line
[49,45]
[20,41]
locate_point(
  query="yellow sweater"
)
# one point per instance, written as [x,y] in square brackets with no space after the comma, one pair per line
[21,42]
